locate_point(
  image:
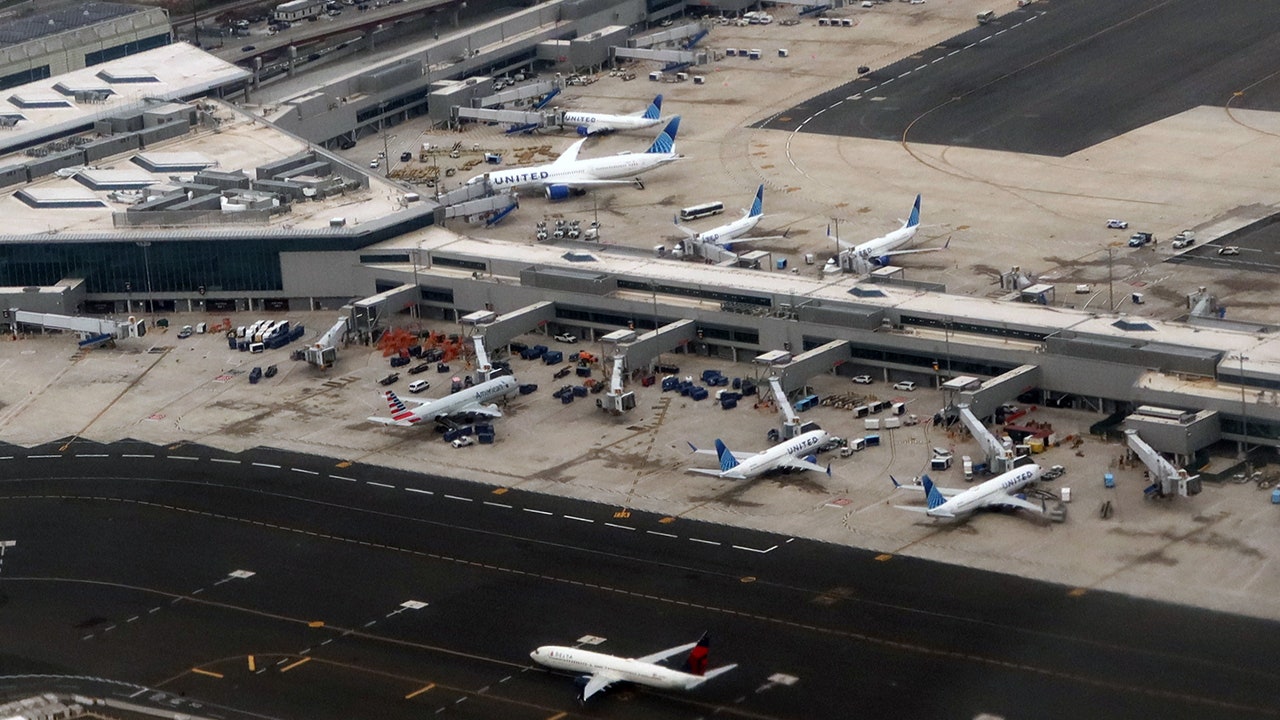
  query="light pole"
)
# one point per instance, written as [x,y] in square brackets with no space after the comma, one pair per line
[1244,411]
[386,153]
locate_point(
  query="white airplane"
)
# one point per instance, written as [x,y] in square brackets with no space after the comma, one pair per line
[593,123]
[568,174]
[712,243]
[600,670]
[1000,491]
[875,253]
[470,400]
[789,454]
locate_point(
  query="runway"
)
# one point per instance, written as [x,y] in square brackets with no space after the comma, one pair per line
[364,592]
[1053,78]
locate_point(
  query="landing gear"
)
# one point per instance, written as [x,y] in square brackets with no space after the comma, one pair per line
[639,183]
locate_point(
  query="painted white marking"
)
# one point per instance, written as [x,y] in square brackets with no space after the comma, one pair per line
[921,68]
[225,460]
[94,455]
[902,75]
[381,485]
[326,642]
[421,492]
[413,604]
[42,457]
[754,550]
[704,542]
[498,504]
[6,457]
[536,512]
[340,477]
[655,532]
[304,472]
[819,112]
[953,52]
[1001,32]
[986,38]
[243,574]
[456,497]
[620,527]
[138,693]
[267,465]
[579,519]
[182,457]
[371,623]
[970,45]
[135,617]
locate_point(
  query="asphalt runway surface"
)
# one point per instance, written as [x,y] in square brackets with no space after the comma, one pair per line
[366,592]
[1057,77]
[1259,245]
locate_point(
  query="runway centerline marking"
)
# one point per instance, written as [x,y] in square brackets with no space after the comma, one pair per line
[498,504]
[579,519]
[341,477]
[620,527]
[304,471]
[536,512]
[420,492]
[267,465]
[378,484]
[459,497]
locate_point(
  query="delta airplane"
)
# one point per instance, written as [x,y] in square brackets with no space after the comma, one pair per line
[877,252]
[567,174]
[999,491]
[785,455]
[595,123]
[721,239]
[599,670]
[470,400]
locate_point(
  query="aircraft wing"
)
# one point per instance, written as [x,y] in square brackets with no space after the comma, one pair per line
[1017,502]
[664,654]
[911,251]
[588,183]
[913,508]
[797,464]
[754,238]
[478,409]
[598,682]
[704,471]
[570,155]
[946,492]
[388,421]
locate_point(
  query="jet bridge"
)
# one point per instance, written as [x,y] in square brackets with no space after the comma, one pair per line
[669,35]
[1165,478]
[515,117]
[999,458]
[790,420]
[617,402]
[522,92]
[92,330]
[369,315]
[645,348]
[500,330]
[993,393]
[666,56]
[822,359]
[323,352]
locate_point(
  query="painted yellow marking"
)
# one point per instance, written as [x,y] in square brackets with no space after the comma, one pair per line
[884,557]
[748,579]
[419,691]
[558,716]
[316,623]
[293,665]
[210,673]
[624,513]
[501,491]
[667,520]
[64,447]
[344,464]
[252,665]
[1076,592]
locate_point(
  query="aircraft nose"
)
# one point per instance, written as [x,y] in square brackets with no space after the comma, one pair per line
[536,654]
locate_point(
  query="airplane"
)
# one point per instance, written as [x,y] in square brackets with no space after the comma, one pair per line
[710,243]
[877,252]
[594,123]
[462,402]
[999,491]
[599,670]
[788,454]
[567,174]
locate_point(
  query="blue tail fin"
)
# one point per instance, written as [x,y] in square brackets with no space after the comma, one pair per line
[654,111]
[914,219]
[727,460]
[757,207]
[666,141]
[931,493]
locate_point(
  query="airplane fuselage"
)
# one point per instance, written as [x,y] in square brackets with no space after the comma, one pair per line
[579,171]
[487,391]
[987,493]
[600,122]
[728,232]
[888,243]
[576,660]
[769,459]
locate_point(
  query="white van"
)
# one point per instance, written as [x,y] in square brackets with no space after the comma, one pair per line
[418,386]
[257,347]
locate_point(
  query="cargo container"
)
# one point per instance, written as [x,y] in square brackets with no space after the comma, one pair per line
[553,357]
[698,393]
[871,424]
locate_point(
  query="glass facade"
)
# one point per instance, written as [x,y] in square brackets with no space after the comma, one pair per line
[129,48]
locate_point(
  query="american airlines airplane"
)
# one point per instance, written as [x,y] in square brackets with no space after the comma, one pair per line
[875,253]
[600,670]
[594,123]
[470,400]
[789,454]
[999,491]
[567,174]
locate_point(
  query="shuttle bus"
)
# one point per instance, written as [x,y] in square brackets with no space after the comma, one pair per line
[700,211]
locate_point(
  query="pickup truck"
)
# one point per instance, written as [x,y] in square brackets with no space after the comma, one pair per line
[1139,239]
[390,379]
[1184,239]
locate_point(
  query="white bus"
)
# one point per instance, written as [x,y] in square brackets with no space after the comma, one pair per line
[694,212]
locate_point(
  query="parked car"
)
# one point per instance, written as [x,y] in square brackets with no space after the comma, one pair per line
[418,386]
[420,368]
[374,163]
[905,386]
[1229,250]
[406,156]
[463,441]
[185,332]
[566,338]
[272,370]
[863,379]
[1117,224]
[388,380]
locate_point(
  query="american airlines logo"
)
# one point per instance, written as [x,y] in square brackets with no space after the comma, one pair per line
[518,178]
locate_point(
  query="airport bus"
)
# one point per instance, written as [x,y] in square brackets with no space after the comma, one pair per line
[694,212]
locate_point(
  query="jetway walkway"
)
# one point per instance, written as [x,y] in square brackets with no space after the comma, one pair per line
[500,330]
[1165,478]
[1001,389]
[666,56]
[522,92]
[818,361]
[98,330]
[670,35]
[644,349]
[999,458]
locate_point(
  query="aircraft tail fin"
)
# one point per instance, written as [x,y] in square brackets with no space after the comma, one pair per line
[654,111]
[696,663]
[932,493]
[399,412]
[914,219]
[757,207]
[666,140]
[727,460]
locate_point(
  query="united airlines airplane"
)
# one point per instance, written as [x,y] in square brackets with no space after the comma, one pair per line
[793,454]
[594,123]
[1000,491]
[569,175]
